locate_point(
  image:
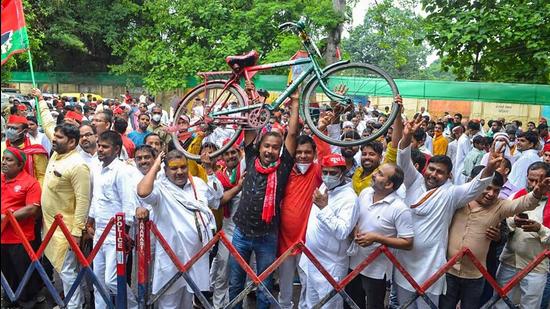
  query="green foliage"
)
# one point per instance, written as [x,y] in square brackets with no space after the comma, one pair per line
[506,41]
[390,38]
[179,38]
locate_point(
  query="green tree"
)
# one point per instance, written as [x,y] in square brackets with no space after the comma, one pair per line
[391,38]
[179,38]
[507,41]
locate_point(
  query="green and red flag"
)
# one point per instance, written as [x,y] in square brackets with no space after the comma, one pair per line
[14,29]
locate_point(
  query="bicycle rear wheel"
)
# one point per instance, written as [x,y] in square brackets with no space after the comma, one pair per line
[208,97]
[364,82]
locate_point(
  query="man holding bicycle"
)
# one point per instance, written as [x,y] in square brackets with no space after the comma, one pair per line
[257,218]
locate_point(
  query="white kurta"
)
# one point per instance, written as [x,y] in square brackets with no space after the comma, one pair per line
[177,224]
[518,175]
[463,146]
[431,222]
[327,238]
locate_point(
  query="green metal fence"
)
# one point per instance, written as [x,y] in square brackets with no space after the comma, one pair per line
[421,89]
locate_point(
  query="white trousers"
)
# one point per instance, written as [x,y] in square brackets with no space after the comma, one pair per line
[531,287]
[182,299]
[105,271]
[68,274]
[287,271]
[404,295]
[317,287]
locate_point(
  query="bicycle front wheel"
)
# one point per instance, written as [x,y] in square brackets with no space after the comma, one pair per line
[193,118]
[364,82]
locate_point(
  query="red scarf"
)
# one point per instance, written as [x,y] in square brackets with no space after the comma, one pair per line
[271,189]
[30,150]
[546,211]
[227,184]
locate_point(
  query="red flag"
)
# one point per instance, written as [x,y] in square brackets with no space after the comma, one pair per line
[14,30]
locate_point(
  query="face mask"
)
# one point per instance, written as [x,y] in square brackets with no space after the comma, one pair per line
[303,167]
[499,144]
[12,134]
[331,181]
[156,117]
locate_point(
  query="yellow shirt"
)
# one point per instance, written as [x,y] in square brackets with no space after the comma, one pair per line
[66,191]
[194,168]
[359,183]
[440,145]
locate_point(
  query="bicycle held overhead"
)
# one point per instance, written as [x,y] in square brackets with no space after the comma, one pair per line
[223,108]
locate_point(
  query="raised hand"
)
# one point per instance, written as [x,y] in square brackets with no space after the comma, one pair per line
[495,157]
[320,199]
[325,120]
[411,126]
[542,188]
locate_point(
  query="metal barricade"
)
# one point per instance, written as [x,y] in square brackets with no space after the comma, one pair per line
[146,228]
[85,262]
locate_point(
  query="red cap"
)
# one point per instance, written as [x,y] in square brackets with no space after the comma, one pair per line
[546,147]
[22,107]
[74,115]
[333,160]
[17,119]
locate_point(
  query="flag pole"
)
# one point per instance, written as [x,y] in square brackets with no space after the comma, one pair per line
[36,104]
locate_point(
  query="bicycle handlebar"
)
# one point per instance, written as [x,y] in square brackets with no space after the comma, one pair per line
[299,25]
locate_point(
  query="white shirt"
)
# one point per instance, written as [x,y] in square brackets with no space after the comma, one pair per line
[429,144]
[41,139]
[327,233]
[112,194]
[176,222]
[451,151]
[464,146]
[431,222]
[219,135]
[389,217]
[90,160]
[518,175]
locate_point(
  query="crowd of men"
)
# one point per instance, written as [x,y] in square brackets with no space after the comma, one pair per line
[426,189]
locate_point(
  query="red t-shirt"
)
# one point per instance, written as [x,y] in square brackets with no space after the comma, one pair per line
[296,206]
[129,145]
[17,193]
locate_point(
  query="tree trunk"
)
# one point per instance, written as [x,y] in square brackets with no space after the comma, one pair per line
[335,35]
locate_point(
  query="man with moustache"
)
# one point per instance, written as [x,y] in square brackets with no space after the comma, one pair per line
[111,194]
[433,199]
[268,167]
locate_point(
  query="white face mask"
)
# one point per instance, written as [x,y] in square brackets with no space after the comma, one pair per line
[499,144]
[156,117]
[303,167]
[331,181]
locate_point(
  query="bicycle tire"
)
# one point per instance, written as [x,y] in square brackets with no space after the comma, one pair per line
[313,83]
[196,92]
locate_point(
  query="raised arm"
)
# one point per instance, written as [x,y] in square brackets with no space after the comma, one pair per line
[292,133]
[398,124]
[48,123]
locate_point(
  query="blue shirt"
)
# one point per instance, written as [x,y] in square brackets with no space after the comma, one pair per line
[138,137]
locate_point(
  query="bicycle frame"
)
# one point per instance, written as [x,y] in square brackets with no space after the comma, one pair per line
[248,72]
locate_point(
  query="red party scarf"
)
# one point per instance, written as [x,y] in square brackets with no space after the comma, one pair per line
[271,189]
[228,183]
[546,212]
[30,150]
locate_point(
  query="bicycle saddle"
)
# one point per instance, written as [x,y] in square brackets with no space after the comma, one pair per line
[247,60]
